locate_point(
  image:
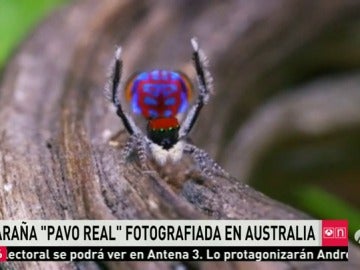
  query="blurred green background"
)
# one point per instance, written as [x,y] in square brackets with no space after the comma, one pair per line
[19,18]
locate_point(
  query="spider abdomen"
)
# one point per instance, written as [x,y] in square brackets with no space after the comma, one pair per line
[158,93]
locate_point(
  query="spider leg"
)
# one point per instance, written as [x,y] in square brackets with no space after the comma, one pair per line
[112,90]
[142,150]
[137,141]
[129,148]
[206,164]
[204,81]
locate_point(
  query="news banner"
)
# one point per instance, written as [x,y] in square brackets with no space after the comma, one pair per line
[168,240]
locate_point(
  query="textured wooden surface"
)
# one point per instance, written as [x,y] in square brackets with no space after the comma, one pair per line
[60,140]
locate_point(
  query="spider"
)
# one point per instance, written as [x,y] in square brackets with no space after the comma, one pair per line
[160,96]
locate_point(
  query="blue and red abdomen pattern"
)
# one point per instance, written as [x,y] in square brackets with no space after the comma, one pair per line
[158,93]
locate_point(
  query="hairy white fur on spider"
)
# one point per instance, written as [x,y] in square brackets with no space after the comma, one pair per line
[161,155]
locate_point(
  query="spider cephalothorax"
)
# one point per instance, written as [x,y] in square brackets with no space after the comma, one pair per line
[160,96]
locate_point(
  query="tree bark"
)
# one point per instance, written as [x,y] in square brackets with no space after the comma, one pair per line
[60,140]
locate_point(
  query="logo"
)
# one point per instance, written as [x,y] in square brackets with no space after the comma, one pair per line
[3,254]
[357,237]
[328,232]
[335,233]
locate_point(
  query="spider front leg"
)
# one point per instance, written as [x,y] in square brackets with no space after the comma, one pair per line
[137,141]
[204,80]
[206,164]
